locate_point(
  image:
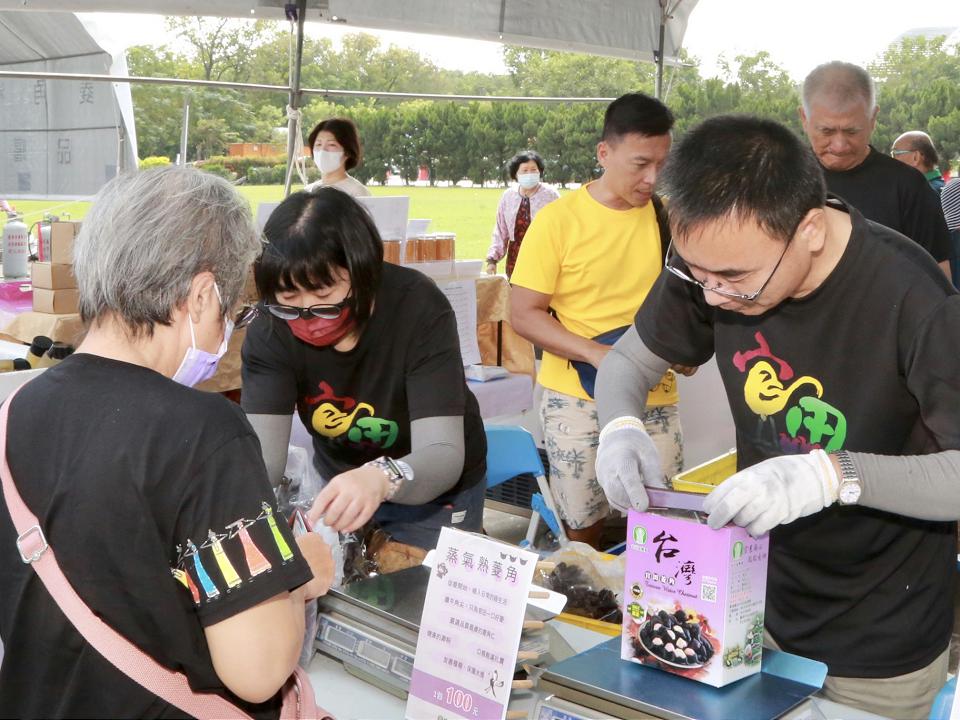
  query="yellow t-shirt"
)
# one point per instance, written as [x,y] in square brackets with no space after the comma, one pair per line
[598,264]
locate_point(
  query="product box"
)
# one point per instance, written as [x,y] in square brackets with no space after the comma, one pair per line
[52,276]
[62,235]
[58,302]
[60,328]
[693,597]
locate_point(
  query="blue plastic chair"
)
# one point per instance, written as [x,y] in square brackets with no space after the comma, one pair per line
[512,451]
[944,701]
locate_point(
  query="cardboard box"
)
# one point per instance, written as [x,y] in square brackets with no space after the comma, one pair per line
[57,302]
[52,277]
[62,235]
[61,328]
[694,598]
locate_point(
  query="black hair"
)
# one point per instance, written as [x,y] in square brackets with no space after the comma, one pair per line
[742,167]
[522,157]
[636,113]
[308,236]
[346,133]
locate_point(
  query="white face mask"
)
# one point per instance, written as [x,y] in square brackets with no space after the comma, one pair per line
[328,160]
[528,180]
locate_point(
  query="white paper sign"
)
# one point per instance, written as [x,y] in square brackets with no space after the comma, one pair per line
[389,213]
[462,295]
[470,629]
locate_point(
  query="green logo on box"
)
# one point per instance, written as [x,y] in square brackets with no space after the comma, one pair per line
[639,535]
[737,549]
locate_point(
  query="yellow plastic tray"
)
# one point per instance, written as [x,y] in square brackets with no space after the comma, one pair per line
[705,477]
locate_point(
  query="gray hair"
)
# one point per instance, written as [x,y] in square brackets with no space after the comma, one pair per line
[149,233]
[840,83]
[920,142]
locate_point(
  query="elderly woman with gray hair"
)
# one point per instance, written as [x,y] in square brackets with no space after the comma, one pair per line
[153,495]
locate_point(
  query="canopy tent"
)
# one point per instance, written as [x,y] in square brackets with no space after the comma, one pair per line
[60,138]
[642,30]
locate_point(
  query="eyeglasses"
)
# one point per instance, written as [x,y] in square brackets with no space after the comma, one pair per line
[324,312]
[674,263]
[245,316]
[895,153]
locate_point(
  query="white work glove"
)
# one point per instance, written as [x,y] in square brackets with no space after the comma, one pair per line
[774,492]
[626,459]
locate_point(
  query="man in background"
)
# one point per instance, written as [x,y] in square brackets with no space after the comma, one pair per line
[915,148]
[587,262]
[839,115]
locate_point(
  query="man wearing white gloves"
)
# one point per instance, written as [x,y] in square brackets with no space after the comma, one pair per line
[838,341]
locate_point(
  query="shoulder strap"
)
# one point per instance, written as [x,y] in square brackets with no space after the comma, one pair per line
[125,656]
[663,223]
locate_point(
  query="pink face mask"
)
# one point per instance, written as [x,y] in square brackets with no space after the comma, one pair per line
[322,332]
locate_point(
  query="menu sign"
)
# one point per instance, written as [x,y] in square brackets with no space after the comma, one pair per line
[470,630]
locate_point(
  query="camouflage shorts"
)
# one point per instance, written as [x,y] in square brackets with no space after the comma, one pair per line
[571,436]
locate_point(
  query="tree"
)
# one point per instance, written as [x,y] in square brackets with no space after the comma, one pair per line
[221,47]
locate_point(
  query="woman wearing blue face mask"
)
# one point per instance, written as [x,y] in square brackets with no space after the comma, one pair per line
[367,353]
[517,208]
[153,495]
[335,146]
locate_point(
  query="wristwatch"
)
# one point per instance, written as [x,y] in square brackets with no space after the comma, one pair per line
[850,485]
[397,471]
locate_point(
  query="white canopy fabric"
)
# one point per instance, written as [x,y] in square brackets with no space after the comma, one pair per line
[60,138]
[620,28]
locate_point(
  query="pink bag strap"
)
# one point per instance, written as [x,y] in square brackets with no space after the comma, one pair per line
[125,656]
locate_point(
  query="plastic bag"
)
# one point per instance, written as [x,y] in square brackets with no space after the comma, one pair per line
[591,581]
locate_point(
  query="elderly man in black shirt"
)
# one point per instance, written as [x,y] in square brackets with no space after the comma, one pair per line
[839,114]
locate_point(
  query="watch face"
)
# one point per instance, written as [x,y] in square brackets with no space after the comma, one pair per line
[849,493]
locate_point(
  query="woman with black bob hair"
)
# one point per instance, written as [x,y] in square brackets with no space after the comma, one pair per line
[336,149]
[367,353]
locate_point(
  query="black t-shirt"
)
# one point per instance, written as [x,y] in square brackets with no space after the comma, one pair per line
[896,195]
[358,405]
[868,362]
[125,469]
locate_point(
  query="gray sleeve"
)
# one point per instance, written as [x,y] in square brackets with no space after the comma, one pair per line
[926,487]
[436,457]
[274,434]
[625,378]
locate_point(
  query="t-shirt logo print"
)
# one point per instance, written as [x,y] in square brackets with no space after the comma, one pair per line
[809,421]
[336,417]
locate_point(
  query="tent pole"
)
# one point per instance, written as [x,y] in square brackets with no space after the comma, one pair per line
[658,84]
[182,160]
[294,102]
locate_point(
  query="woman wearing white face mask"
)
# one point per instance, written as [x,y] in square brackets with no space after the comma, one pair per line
[517,208]
[336,148]
[153,495]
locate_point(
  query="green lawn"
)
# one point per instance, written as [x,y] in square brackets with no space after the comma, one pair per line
[469,212]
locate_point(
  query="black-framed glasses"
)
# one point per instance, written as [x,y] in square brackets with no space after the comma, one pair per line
[675,264]
[245,316]
[323,312]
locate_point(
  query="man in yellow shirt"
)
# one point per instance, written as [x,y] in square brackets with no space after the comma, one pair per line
[586,264]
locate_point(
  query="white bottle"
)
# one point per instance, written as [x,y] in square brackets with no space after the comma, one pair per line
[16,248]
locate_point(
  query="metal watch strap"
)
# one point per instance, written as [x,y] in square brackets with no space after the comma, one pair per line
[849,477]
[395,479]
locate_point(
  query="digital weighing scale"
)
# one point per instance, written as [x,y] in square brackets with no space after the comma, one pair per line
[371,626]
[598,684]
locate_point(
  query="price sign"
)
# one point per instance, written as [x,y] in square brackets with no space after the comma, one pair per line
[470,629]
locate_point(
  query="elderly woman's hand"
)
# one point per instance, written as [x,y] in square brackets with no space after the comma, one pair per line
[350,499]
[320,559]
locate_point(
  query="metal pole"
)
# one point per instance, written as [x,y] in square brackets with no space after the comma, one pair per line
[658,85]
[322,92]
[185,130]
[294,102]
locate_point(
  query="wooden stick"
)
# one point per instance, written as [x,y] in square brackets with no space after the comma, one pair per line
[522,684]
[533,624]
[516,714]
[527,655]
[539,594]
